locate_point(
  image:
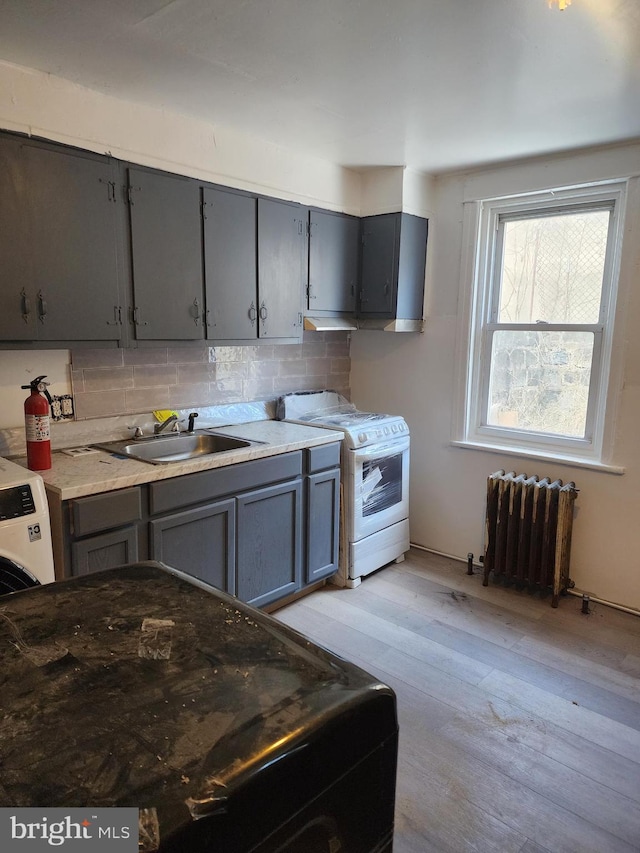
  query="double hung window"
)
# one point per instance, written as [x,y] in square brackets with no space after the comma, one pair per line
[542,325]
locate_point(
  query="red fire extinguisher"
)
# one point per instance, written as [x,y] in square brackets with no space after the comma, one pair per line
[36,420]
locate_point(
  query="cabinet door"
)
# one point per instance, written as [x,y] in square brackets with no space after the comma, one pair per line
[411,266]
[323,524]
[269,547]
[282,268]
[105,551]
[379,270]
[17,304]
[200,542]
[73,220]
[334,245]
[231,272]
[166,246]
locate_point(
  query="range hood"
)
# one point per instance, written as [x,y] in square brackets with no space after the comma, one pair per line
[350,324]
[387,325]
[330,324]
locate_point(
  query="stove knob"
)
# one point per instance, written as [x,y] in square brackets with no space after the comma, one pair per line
[386,430]
[362,437]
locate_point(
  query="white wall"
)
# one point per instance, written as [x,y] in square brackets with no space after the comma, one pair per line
[47,106]
[415,375]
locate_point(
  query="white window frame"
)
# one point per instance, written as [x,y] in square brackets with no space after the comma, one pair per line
[487,215]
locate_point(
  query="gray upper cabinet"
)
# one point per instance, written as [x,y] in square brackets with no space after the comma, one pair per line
[72,202]
[17,299]
[58,245]
[380,248]
[394,247]
[334,245]
[231,264]
[282,268]
[255,266]
[166,248]
[184,261]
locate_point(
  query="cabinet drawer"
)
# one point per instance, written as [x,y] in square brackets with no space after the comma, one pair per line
[204,486]
[107,510]
[323,457]
[105,551]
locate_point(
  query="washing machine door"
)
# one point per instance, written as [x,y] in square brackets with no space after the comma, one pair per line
[14,577]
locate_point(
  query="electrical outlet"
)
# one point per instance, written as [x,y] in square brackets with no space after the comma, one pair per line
[62,407]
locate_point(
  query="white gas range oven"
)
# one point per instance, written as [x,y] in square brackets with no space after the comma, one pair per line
[375,478]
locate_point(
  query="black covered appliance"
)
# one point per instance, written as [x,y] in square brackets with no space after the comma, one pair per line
[140,686]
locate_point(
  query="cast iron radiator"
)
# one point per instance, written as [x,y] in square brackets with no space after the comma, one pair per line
[528,535]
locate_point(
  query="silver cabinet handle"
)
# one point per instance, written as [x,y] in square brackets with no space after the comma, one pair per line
[136,318]
[26,307]
[263,312]
[117,317]
[252,313]
[42,307]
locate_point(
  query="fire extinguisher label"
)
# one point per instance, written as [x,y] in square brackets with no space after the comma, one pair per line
[37,427]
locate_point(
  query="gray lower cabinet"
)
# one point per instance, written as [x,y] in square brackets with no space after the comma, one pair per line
[105,530]
[105,551]
[269,543]
[323,524]
[322,511]
[200,542]
[261,529]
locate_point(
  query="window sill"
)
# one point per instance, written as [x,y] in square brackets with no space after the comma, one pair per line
[573,461]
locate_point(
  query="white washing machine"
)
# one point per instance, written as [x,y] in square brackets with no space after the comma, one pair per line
[26,555]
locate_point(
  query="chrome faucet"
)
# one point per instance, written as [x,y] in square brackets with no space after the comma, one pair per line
[157,428]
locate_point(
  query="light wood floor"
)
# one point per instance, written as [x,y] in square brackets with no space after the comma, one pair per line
[519,724]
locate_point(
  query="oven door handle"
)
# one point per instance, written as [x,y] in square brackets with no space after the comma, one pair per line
[398,445]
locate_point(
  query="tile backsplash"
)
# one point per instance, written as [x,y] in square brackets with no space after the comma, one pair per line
[126,381]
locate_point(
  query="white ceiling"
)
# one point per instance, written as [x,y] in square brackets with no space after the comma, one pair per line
[432,84]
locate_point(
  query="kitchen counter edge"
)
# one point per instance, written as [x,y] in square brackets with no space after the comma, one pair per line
[76,477]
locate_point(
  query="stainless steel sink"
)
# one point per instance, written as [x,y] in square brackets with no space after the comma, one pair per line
[162,449]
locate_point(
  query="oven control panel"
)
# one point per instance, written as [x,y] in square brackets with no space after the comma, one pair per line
[373,435]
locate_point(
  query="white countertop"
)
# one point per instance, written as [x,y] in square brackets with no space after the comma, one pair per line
[71,477]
